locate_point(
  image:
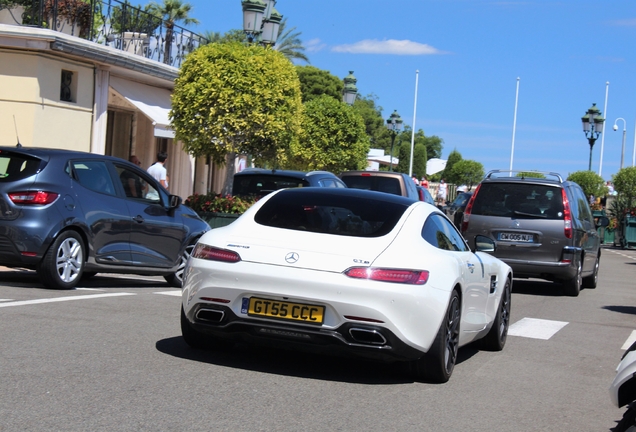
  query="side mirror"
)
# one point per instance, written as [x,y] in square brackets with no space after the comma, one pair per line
[602,221]
[174,201]
[484,244]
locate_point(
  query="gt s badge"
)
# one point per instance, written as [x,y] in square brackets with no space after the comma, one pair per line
[360,261]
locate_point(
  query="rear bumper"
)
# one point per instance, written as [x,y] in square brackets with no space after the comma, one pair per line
[349,339]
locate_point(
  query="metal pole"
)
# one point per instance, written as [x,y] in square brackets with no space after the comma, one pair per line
[623,148]
[417,74]
[634,153]
[514,127]
[591,141]
[392,142]
[600,165]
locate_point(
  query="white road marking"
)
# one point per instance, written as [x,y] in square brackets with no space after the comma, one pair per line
[3,300]
[170,293]
[630,340]
[536,328]
[88,289]
[61,299]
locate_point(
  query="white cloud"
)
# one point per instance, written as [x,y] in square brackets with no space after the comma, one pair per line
[391,46]
[630,22]
[315,45]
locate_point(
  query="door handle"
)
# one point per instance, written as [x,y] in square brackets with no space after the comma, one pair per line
[138,219]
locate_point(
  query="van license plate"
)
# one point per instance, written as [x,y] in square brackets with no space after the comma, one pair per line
[516,237]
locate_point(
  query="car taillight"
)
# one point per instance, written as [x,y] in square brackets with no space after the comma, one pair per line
[206,252]
[412,277]
[469,209]
[567,215]
[33,197]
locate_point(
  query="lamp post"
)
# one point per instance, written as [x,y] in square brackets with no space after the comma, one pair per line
[261,21]
[349,91]
[624,132]
[592,127]
[394,125]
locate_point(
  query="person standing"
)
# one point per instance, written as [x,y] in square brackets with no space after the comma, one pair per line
[158,170]
[441,193]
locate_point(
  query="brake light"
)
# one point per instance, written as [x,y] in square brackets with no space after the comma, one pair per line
[206,252]
[33,197]
[567,215]
[411,277]
[469,209]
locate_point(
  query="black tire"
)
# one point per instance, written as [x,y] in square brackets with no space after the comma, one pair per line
[437,365]
[495,340]
[592,280]
[63,264]
[176,279]
[628,422]
[193,338]
[572,287]
[87,275]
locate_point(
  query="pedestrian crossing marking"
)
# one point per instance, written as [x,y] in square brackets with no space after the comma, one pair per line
[630,340]
[536,328]
[176,293]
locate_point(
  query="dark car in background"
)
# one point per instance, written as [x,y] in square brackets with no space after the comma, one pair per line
[259,182]
[455,209]
[70,214]
[543,227]
[382,181]
[425,195]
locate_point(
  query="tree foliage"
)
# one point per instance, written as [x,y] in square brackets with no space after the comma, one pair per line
[625,184]
[374,125]
[172,12]
[289,44]
[590,182]
[235,98]
[132,18]
[453,158]
[419,159]
[333,138]
[316,82]
[467,172]
[531,174]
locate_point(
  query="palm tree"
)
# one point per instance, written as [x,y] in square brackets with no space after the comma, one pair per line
[289,44]
[172,12]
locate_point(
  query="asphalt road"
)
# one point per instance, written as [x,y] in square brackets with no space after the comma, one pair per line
[109,357]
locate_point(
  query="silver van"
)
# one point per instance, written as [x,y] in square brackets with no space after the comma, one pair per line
[543,227]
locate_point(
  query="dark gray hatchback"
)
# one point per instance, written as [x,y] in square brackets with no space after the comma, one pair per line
[70,214]
[543,227]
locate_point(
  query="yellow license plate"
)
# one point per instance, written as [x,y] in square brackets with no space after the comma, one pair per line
[310,314]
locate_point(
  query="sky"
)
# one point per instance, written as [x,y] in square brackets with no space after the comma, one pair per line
[467,58]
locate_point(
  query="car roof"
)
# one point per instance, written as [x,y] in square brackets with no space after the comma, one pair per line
[49,153]
[374,173]
[289,173]
[361,193]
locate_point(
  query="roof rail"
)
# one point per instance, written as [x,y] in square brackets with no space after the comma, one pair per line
[526,172]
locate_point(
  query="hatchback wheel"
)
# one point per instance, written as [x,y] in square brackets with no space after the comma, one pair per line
[437,365]
[176,279]
[572,287]
[63,263]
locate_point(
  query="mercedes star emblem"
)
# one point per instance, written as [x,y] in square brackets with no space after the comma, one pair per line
[291,257]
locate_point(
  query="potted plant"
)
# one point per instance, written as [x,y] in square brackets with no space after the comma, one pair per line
[218,210]
[135,25]
[625,184]
[69,16]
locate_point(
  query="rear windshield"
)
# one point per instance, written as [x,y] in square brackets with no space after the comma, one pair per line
[374,183]
[519,200]
[339,215]
[16,166]
[259,185]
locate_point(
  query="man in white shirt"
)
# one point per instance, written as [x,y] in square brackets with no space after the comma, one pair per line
[158,171]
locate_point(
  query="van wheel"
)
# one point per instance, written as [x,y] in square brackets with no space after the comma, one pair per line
[592,280]
[572,287]
[63,263]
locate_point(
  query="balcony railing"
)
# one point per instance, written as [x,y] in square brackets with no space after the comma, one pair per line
[113,23]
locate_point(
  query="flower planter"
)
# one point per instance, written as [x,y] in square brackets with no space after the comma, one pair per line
[609,236]
[135,43]
[216,220]
[629,232]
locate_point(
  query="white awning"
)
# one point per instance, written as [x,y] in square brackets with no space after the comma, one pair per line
[434,166]
[154,102]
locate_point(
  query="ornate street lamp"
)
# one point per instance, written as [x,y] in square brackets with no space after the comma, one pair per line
[394,125]
[350,91]
[592,127]
[261,21]
[624,132]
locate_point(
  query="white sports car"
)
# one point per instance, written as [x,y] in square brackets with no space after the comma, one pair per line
[351,270]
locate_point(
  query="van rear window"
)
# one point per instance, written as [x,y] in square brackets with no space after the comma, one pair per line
[331,214]
[374,183]
[519,200]
[260,185]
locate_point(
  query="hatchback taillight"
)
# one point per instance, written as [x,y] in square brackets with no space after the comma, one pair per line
[206,252]
[33,197]
[469,209]
[412,277]
[567,215]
